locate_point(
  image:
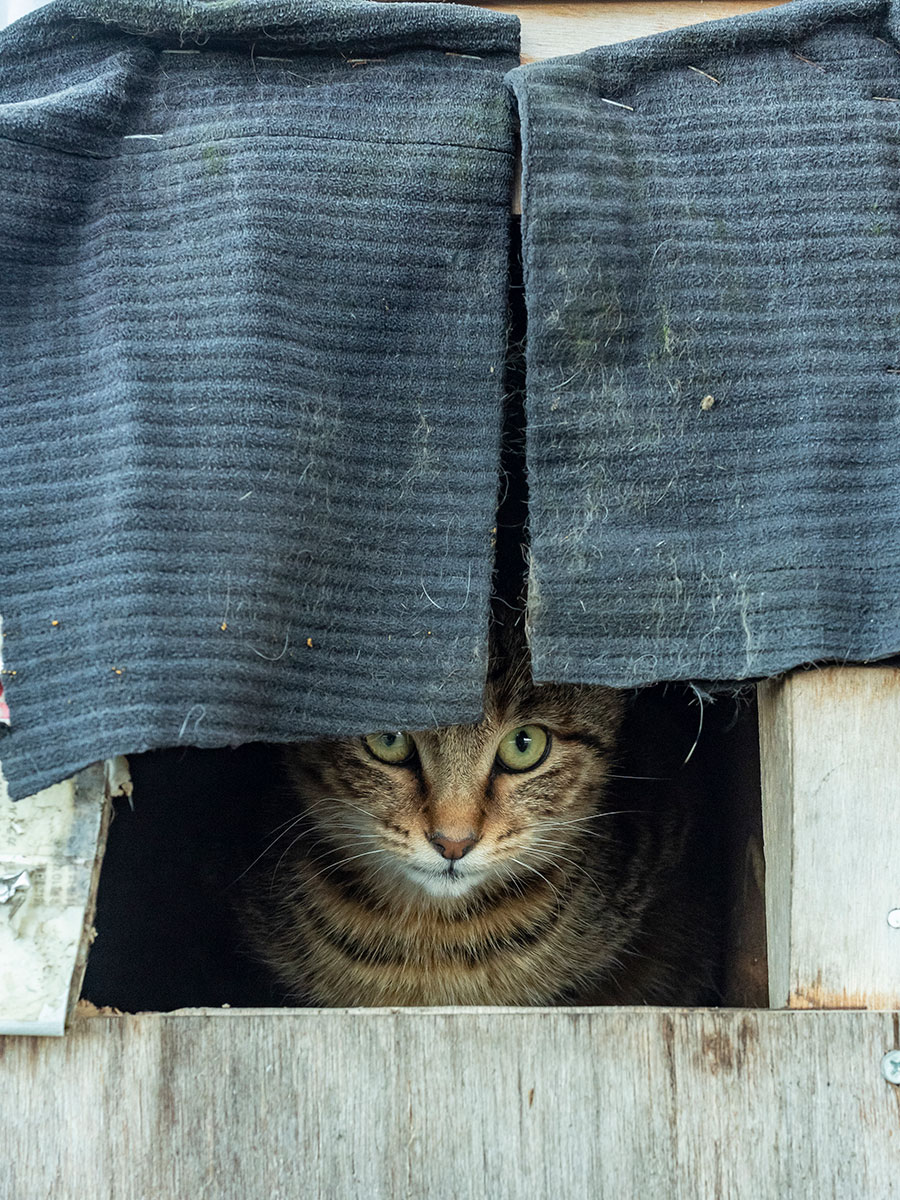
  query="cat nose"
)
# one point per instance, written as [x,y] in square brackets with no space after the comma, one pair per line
[452,847]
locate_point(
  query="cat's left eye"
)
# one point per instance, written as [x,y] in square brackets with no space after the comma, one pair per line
[394,748]
[524,748]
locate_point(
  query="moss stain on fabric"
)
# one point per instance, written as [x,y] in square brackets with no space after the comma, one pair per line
[669,344]
[666,336]
[877,228]
[213,160]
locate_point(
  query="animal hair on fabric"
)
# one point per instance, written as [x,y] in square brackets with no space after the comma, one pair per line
[253,324]
[711,271]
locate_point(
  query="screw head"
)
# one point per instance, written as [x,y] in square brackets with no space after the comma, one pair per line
[890,1067]
[893,918]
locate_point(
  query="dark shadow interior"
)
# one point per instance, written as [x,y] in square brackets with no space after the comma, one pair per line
[167,934]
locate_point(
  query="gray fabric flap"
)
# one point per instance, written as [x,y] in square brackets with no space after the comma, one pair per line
[252,324]
[712,270]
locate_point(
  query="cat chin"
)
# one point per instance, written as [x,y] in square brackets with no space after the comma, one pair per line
[442,884]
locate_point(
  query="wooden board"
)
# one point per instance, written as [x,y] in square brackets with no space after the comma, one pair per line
[830,754]
[454,1105]
[51,848]
[549,29]
[552,29]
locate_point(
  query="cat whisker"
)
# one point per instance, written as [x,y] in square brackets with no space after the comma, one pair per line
[562,858]
[642,778]
[343,862]
[307,805]
[289,821]
[334,823]
[292,824]
[310,805]
[377,868]
[285,851]
[619,812]
[383,835]
[318,858]
[537,872]
[349,804]
[288,826]
[331,850]
[512,879]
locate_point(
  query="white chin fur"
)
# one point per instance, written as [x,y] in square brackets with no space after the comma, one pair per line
[444,885]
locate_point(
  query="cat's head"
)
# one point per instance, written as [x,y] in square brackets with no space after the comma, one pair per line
[442,812]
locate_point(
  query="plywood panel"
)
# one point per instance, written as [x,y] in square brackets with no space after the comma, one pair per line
[455,1104]
[830,759]
[552,29]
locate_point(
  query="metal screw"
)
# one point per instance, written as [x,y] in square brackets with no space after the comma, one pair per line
[893,918]
[890,1067]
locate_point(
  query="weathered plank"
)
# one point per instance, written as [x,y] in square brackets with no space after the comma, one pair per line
[830,761]
[455,1104]
[551,29]
[51,847]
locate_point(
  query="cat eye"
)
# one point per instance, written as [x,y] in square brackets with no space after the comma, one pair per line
[524,748]
[394,748]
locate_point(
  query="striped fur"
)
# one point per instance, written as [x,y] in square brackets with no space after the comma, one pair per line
[565,898]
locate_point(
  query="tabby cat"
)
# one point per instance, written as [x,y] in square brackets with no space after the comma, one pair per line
[504,863]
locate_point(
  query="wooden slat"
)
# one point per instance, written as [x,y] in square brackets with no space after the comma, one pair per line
[454,1105]
[553,29]
[51,847]
[830,759]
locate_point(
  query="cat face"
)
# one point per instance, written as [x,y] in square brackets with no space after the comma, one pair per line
[442,813]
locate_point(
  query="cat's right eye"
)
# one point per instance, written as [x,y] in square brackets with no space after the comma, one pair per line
[394,748]
[524,748]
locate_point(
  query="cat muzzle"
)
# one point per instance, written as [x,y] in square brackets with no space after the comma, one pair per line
[452,848]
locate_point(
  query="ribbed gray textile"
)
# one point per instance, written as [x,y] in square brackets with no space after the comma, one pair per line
[253,270]
[712,272]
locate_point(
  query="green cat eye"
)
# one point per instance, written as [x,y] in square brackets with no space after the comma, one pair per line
[393,748]
[524,748]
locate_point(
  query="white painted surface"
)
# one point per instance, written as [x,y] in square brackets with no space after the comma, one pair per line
[830,757]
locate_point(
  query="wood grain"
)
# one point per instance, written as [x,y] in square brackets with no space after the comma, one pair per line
[54,843]
[830,758]
[553,29]
[455,1104]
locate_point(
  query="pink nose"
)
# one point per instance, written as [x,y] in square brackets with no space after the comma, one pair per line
[452,847]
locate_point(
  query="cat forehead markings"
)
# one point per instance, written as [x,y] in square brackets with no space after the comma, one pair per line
[469,747]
